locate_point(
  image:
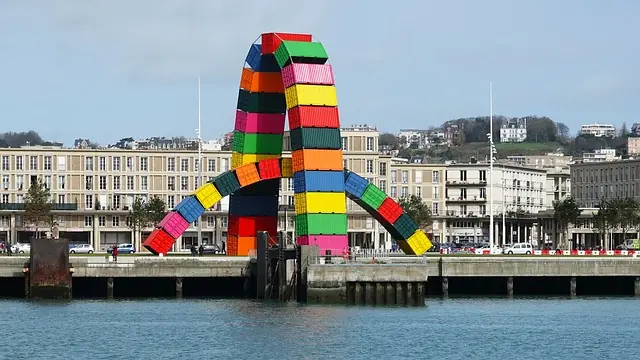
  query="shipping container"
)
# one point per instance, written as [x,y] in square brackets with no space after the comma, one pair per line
[315,138]
[239,159]
[321,224]
[271,41]
[269,169]
[257,143]
[300,52]
[250,225]
[253,205]
[286,167]
[314,116]
[266,82]
[355,185]
[313,159]
[334,243]
[419,242]
[271,103]
[259,123]
[158,242]
[324,181]
[208,195]
[246,78]
[190,208]
[320,203]
[240,245]
[405,226]
[405,247]
[373,196]
[263,187]
[254,56]
[268,63]
[314,74]
[318,95]
[226,183]
[174,224]
[247,174]
[390,210]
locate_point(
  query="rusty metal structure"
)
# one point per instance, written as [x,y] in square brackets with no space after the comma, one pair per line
[48,272]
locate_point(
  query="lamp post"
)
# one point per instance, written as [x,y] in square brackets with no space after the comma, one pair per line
[492,151]
[199,181]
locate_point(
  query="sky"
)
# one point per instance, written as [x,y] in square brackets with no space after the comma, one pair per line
[110,69]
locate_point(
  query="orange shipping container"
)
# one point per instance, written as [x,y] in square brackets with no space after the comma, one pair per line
[315,159]
[247,174]
[267,82]
[246,79]
[240,245]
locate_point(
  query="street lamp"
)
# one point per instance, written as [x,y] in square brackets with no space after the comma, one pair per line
[199,181]
[492,152]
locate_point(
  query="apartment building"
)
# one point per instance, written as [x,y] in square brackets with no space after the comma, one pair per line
[633,145]
[515,190]
[548,161]
[513,130]
[598,130]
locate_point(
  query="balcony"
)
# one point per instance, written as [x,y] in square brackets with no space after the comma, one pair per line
[54,207]
[466,183]
[469,199]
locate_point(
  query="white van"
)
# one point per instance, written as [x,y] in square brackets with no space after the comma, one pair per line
[519,249]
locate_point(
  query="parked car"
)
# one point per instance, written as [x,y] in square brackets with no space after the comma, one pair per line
[81,249]
[518,249]
[19,248]
[210,249]
[123,249]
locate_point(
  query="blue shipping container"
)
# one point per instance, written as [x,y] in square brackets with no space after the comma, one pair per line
[253,205]
[316,181]
[190,208]
[254,56]
[355,185]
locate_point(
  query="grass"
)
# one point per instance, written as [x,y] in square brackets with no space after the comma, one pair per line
[480,150]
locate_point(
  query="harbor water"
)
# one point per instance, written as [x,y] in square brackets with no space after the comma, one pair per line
[523,329]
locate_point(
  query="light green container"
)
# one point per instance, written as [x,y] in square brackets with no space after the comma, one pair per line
[306,52]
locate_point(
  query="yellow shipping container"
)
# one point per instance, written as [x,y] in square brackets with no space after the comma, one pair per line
[419,242]
[239,159]
[320,203]
[208,195]
[320,95]
[287,168]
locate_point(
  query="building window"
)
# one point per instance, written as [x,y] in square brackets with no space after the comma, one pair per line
[19,163]
[405,176]
[88,202]
[369,166]
[171,164]
[184,165]
[144,164]
[345,142]
[116,183]
[383,169]
[88,163]
[382,184]
[143,183]
[5,163]
[33,163]
[211,166]
[211,221]
[103,182]
[184,183]
[394,192]
[115,221]
[5,182]
[224,221]
[5,198]
[435,177]
[435,208]
[61,199]
[418,175]
[418,191]
[369,143]
[404,192]
[88,182]
[171,183]
[394,176]
[102,221]
[47,162]
[88,221]
[103,163]
[171,201]
[116,202]
[116,164]
[130,164]
[62,182]
[130,183]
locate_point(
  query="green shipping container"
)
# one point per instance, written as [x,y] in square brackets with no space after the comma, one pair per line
[405,226]
[271,103]
[257,143]
[321,224]
[315,138]
[226,183]
[373,196]
[300,52]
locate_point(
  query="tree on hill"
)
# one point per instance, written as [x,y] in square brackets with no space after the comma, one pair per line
[541,129]
[624,131]
[37,206]
[418,210]
[17,139]
[388,139]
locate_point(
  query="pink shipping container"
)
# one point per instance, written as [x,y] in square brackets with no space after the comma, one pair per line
[315,74]
[335,243]
[174,224]
[257,123]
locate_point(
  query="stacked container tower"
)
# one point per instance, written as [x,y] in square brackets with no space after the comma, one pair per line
[288,74]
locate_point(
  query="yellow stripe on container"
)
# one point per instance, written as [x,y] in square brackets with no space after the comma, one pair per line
[239,159]
[320,203]
[419,242]
[319,95]
[287,168]
[208,195]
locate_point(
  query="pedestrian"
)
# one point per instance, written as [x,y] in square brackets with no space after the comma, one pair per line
[200,250]
[194,251]
[115,253]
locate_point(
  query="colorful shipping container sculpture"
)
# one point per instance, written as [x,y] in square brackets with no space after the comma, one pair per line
[288,73]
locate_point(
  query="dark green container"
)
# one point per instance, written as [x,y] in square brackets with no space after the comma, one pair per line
[373,196]
[315,138]
[405,226]
[271,103]
[257,143]
[226,183]
[321,224]
[300,52]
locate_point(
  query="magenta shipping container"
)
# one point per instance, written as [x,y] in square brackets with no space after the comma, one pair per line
[257,123]
[335,243]
[174,224]
[315,74]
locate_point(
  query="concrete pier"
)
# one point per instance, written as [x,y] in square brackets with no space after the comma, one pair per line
[179,288]
[109,288]
[510,286]
[573,286]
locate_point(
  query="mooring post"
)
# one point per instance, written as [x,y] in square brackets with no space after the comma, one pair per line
[282,268]
[179,287]
[109,288]
[510,286]
[445,286]
[573,286]
[262,255]
[636,291]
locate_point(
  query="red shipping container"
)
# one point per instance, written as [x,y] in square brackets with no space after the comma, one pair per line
[159,242]
[314,116]
[250,225]
[269,169]
[390,210]
[315,74]
[271,41]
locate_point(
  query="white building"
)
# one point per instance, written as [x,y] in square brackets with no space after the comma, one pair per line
[600,155]
[558,186]
[514,130]
[598,130]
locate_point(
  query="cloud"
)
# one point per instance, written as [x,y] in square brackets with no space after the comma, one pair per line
[166,40]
